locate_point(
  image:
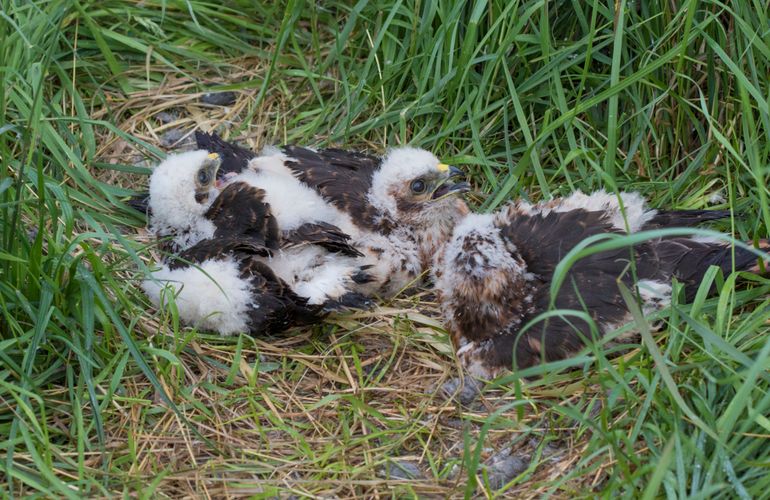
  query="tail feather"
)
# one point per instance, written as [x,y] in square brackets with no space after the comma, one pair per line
[762,265]
[684,218]
[140,203]
[234,157]
[689,259]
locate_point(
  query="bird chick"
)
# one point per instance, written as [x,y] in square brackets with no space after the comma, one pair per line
[224,286]
[196,211]
[496,273]
[398,210]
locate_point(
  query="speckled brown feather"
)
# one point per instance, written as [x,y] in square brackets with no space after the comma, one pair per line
[476,301]
[341,177]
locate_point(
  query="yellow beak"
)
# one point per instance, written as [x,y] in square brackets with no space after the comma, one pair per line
[442,167]
[213,156]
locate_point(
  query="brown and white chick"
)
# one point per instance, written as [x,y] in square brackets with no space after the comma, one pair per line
[220,231]
[496,273]
[398,210]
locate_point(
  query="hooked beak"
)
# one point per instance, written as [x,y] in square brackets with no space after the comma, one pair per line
[224,178]
[455,172]
[448,187]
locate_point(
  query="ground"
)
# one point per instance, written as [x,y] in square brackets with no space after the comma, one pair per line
[102,395]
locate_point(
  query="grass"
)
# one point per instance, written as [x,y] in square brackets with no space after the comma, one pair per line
[102,395]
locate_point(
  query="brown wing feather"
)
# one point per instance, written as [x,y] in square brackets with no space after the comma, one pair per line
[240,211]
[216,248]
[688,260]
[276,307]
[684,218]
[544,239]
[341,177]
[322,234]
[590,285]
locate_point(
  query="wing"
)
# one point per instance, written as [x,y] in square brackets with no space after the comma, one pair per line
[325,235]
[591,285]
[688,260]
[234,157]
[241,212]
[276,307]
[544,239]
[684,218]
[341,177]
[217,248]
[591,282]
[273,305]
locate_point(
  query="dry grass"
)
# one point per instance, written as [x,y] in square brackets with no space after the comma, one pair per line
[319,411]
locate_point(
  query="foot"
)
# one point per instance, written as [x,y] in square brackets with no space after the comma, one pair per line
[502,467]
[349,301]
[461,389]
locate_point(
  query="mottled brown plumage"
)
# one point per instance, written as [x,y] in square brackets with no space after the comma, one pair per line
[496,276]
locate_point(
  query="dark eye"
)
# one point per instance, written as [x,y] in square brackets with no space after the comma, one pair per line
[418,186]
[203,177]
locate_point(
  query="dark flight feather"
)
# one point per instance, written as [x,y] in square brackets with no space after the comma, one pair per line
[240,210]
[684,218]
[688,260]
[591,285]
[212,249]
[279,307]
[341,177]
[348,301]
[274,306]
[322,234]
